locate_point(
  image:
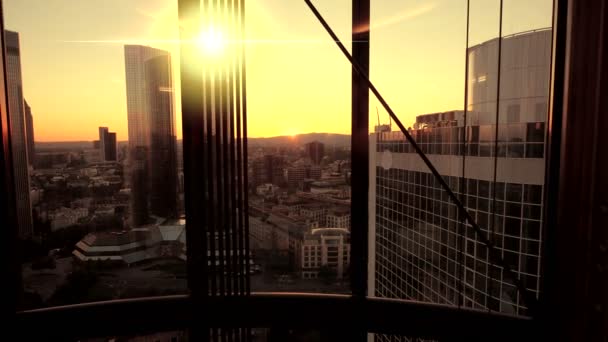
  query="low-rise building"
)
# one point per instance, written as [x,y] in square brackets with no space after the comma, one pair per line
[160,240]
[338,217]
[320,248]
[89,172]
[105,211]
[91,155]
[267,189]
[315,172]
[84,202]
[65,217]
[314,212]
[154,241]
[260,233]
[295,177]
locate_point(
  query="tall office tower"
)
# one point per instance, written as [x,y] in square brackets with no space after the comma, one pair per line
[258,173]
[163,140]
[29,129]
[498,172]
[139,185]
[315,151]
[268,169]
[18,129]
[295,177]
[152,140]
[275,166]
[103,131]
[107,144]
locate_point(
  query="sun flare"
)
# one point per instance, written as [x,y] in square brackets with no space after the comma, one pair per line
[212,42]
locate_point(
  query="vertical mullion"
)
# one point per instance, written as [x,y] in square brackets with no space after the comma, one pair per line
[193,140]
[229,155]
[219,180]
[238,156]
[360,147]
[549,249]
[243,73]
[241,164]
[209,112]
[462,186]
[233,185]
[496,149]
[227,219]
[195,168]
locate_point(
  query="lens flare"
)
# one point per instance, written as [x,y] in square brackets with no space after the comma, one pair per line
[212,43]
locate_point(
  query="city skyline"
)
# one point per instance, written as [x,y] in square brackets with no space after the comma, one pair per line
[297,52]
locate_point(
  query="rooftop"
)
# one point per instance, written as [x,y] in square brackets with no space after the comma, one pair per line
[115,238]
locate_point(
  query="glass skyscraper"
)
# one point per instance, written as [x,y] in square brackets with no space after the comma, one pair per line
[29,126]
[163,140]
[152,137]
[18,127]
[107,144]
[418,248]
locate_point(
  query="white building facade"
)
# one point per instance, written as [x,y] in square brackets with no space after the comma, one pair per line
[324,247]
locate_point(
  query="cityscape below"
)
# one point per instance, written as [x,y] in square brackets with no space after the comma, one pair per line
[306,170]
[106,219]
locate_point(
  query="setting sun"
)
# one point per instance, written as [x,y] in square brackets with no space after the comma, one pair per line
[292,133]
[212,42]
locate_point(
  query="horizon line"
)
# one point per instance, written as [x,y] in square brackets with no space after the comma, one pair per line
[126,141]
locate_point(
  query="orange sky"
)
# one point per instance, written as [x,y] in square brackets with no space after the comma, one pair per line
[298,82]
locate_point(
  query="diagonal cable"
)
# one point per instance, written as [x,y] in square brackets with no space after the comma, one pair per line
[495,255]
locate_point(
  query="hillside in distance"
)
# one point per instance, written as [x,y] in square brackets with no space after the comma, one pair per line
[68,146]
[329,139]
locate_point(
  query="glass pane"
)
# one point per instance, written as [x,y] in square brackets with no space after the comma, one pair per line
[94,95]
[299,147]
[413,224]
[523,108]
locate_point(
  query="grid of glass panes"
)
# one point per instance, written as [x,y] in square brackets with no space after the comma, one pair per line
[417,240]
[416,246]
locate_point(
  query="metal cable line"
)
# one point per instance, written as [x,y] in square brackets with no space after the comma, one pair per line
[494,253]
[462,185]
[498,78]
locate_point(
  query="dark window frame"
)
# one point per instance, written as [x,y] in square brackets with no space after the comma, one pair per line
[375,315]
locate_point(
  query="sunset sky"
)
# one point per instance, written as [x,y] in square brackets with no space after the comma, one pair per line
[298,81]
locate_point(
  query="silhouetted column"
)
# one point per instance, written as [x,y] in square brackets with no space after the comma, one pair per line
[360,146]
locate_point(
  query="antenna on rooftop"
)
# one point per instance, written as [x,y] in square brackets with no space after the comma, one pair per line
[378,115]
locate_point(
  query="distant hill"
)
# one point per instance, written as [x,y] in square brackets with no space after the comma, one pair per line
[63,145]
[329,139]
[67,145]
